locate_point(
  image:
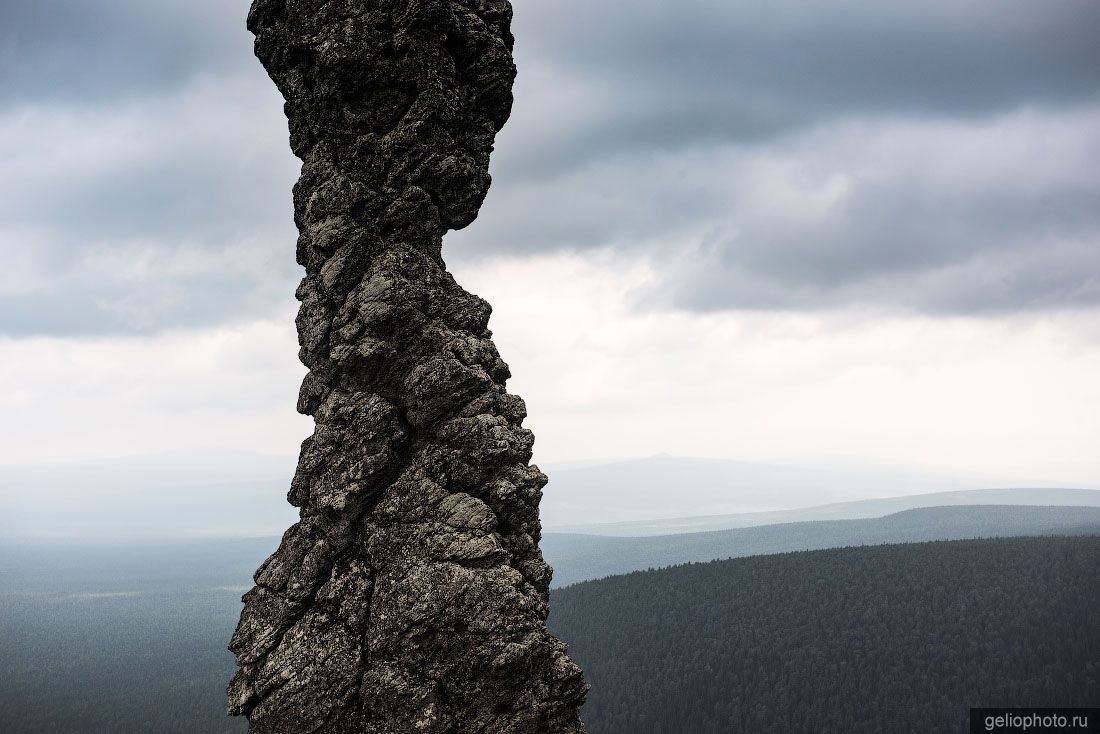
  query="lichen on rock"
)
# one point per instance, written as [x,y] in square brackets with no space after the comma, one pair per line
[411,596]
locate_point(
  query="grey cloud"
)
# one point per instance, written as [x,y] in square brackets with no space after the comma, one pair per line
[150,290]
[148,174]
[975,216]
[986,283]
[96,51]
[899,228]
[908,243]
[990,282]
[170,212]
[673,74]
[198,198]
[641,126]
[667,73]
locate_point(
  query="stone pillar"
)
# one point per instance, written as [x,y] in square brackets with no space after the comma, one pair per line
[411,596]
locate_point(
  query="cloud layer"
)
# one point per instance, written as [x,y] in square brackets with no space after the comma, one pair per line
[937,157]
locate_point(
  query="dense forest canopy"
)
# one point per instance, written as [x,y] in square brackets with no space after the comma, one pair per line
[873,639]
[857,639]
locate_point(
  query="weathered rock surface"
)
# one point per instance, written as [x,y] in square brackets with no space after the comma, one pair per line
[412,595]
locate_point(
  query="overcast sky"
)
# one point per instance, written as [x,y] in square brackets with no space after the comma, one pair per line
[793,231]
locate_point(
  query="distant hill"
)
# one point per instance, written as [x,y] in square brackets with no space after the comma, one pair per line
[876,507]
[234,495]
[580,557]
[89,566]
[876,639]
[150,498]
[52,566]
[676,486]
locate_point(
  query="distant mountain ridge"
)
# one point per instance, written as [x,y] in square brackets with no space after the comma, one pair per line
[878,507]
[99,565]
[234,495]
[660,488]
[577,557]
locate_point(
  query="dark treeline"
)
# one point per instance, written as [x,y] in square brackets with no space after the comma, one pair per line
[872,639]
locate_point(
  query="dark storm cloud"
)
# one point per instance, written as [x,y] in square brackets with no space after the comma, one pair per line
[670,74]
[972,216]
[96,51]
[912,273]
[160,300]
[654,127]
[703,135]
[166,211]
[1022,234]
[185,191]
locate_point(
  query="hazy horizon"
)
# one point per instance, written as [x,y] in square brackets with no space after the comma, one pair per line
[236,495]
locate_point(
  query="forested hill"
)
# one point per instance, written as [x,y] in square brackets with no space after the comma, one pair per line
[867,639]
[581,557]
[872,639]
